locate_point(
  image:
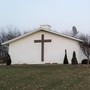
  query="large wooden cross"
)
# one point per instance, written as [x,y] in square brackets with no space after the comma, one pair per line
[42,41]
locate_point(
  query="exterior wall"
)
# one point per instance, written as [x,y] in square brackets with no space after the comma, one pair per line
[25,51]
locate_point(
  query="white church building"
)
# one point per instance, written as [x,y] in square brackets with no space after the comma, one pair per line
[42,46]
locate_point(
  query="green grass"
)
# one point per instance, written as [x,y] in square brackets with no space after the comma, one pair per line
[44,77]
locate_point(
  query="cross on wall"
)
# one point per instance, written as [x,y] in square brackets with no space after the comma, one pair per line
[42,41]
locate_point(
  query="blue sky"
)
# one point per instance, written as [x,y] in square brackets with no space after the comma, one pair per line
[60,14]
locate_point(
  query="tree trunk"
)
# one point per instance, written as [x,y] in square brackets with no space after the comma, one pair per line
[88,60]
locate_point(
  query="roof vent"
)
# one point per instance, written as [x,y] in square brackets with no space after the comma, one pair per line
[46,27]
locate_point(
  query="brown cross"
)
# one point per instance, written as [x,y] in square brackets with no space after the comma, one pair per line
[42,41]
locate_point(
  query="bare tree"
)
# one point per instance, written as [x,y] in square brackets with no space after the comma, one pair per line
[8,33]
[85,45]
[5,35]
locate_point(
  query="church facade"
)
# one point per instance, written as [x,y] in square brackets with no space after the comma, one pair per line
[43,45]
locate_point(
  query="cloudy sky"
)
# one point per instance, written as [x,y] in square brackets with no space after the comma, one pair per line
[60,14]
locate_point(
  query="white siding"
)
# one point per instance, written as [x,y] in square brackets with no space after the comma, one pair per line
[25,51]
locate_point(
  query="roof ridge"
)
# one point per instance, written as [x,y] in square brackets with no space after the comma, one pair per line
[39,29]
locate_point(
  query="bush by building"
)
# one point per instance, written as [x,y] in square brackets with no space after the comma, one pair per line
[85,61]
[65,58]
[74,59]
[8,60]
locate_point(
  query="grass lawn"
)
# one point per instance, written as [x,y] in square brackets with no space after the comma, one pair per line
[44,77]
